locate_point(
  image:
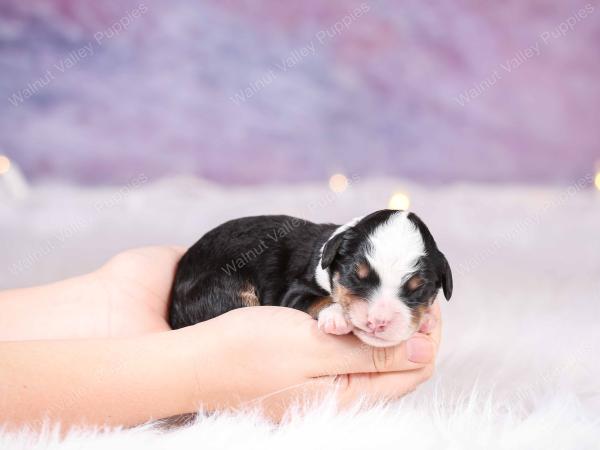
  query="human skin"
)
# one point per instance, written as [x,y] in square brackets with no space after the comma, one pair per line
[97,350]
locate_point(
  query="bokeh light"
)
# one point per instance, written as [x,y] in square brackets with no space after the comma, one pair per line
[4,164]
[399,200]
[597,180]
[338,182]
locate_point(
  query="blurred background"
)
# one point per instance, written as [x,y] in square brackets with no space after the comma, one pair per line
[129,123]
[260,91]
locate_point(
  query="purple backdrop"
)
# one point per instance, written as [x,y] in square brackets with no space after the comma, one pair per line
[251,91]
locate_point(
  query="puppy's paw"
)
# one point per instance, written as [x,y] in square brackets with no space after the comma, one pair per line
[332,320]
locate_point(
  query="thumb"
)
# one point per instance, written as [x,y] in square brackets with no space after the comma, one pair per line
[347,354]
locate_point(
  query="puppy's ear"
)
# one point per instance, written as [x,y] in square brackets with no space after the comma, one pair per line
[330,250]
[445,274]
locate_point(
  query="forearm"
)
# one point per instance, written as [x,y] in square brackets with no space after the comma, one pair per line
[100,382]
[48,311]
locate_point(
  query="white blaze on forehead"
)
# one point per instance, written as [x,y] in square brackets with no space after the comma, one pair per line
[396,246]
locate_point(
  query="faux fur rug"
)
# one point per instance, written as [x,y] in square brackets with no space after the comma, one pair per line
[518,366]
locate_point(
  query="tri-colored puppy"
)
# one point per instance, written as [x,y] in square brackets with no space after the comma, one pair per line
[375,276]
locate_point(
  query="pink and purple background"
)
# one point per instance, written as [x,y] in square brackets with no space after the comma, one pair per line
[380,97]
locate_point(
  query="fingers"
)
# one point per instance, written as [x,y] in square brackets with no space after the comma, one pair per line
[381,386]
[357,370]
[347,355]
[349,389]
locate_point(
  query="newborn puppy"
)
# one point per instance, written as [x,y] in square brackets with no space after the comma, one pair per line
[375,276]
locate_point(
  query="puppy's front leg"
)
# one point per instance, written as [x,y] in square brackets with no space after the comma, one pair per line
[332,320]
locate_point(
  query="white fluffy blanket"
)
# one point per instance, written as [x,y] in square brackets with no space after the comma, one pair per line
[519,364]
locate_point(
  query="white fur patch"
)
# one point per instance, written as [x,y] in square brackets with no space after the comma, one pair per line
[397,246]
[322,275]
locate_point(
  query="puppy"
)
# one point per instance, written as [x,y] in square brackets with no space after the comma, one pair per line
[376,276]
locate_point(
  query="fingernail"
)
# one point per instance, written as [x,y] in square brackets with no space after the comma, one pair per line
[419,350]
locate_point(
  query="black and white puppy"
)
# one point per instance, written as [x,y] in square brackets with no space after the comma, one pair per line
[375,276]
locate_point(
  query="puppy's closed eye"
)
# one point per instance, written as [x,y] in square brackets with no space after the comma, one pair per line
[415,283]
[362,271]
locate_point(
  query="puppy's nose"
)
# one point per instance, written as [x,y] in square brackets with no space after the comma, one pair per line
[377,325]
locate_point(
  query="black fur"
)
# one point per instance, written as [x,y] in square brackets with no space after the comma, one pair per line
[434,267]
[274,254]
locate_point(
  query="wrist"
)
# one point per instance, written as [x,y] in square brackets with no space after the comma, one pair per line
[206,376]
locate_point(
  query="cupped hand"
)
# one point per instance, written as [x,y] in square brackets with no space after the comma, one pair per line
[274,355]
[135,286]
[278,355]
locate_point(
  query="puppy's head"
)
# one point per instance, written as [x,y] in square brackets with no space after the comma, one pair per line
[385,270]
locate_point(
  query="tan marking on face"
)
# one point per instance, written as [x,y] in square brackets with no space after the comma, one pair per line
[415,282]
[248,296]
[362,270]
[343,295]
[417,314]
[419,311]
[319,304]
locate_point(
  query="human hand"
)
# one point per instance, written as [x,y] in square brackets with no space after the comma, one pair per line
[273,354]
[270,355]
[277,355]
[135,285]
[127,296]
[266,356]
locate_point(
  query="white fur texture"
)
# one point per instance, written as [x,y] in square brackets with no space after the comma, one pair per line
[518,366]
[396,247]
